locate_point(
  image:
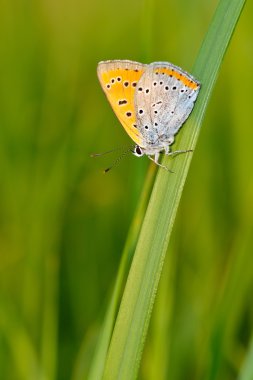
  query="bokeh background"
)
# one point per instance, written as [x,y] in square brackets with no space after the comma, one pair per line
[63,223]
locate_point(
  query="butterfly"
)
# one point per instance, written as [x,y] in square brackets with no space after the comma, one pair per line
[152,101]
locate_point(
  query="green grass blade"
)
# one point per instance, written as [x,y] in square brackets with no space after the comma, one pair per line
[155,362]
[247,368]
[132,323]
[99,358]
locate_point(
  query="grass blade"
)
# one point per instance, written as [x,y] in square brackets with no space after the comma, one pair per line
[97,365]
[135,310]
[247,368]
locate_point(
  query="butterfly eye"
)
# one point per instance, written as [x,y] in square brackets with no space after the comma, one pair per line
[138,151]
[171,140]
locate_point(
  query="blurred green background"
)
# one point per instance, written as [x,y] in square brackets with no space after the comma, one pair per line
[63,223]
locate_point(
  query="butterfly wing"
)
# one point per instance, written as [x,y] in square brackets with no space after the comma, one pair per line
[119,80]
[170,93]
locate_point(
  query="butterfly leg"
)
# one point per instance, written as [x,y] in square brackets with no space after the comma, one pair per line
[155,160]
[178,152]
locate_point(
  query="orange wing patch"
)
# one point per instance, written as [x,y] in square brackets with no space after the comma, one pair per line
[119,80]
[178,75]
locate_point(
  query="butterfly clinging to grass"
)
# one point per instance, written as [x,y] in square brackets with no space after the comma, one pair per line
[152,101]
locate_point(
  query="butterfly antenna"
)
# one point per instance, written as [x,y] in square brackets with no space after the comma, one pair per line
[117,161]
[102,154]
